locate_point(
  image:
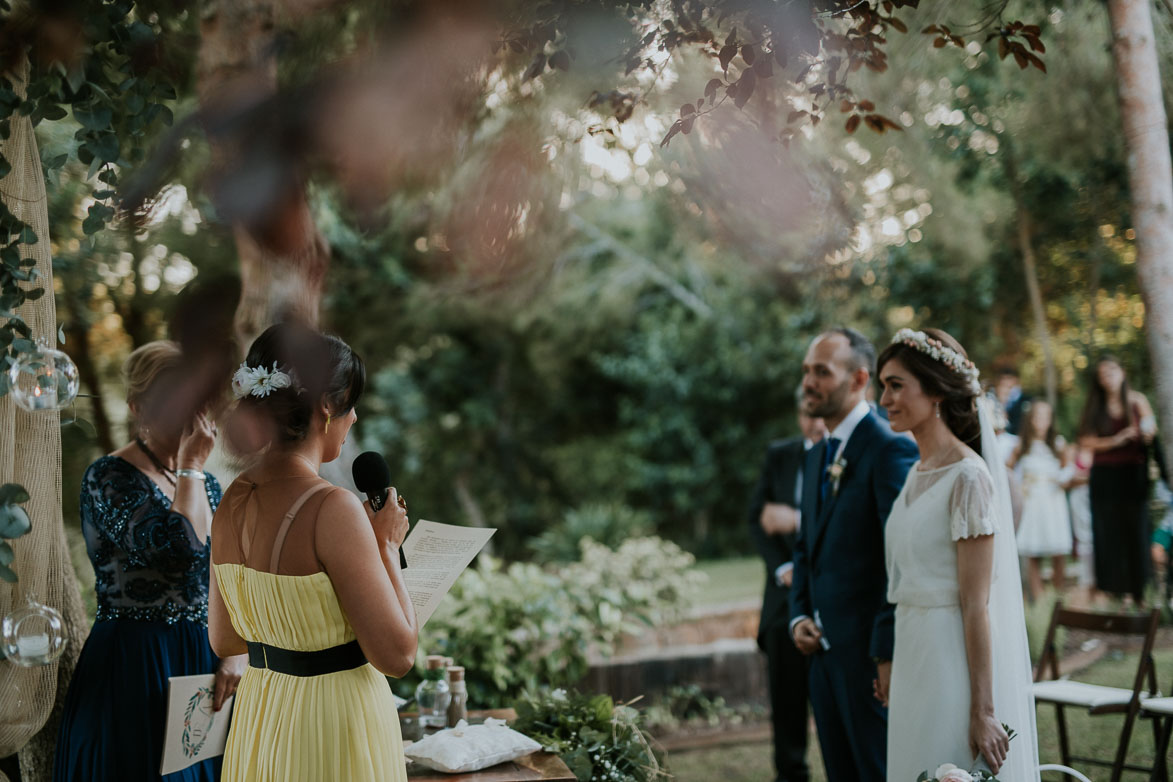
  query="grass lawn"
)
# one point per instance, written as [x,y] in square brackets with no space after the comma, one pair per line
[1091,736]
[731,580]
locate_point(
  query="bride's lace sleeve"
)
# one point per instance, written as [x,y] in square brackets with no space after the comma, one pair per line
[971,502]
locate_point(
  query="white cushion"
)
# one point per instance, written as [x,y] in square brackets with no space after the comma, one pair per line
[1090,696]
[1159,706]
[471,747]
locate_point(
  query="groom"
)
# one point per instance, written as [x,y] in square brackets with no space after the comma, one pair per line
[840,614]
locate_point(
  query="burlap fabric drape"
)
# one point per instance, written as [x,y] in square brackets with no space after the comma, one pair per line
[30,454]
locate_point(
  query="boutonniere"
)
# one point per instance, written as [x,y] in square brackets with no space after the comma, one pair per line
[835,474]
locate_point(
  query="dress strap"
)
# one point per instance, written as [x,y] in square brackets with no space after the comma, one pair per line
[279,541]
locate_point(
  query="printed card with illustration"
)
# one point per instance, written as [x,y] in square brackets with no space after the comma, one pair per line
[194,731]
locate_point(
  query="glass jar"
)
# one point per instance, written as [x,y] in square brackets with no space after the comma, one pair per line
[432,695]
[458,703]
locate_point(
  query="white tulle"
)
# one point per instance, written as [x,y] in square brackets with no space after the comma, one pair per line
[1013,702]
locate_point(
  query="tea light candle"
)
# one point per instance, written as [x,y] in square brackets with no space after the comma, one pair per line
[44,398]
[33,646]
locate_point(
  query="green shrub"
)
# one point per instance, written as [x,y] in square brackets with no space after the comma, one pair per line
[524,626]
[687,704]
[610,525]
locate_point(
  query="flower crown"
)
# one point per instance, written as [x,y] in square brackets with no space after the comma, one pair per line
[258,381]
[939,351]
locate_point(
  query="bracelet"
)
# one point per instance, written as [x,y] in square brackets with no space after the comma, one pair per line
[184,472]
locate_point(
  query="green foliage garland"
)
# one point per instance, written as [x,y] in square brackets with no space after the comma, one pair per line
[116,92]
[598,739]
[14,522]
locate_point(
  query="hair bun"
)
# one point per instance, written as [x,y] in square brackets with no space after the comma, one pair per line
[290,369]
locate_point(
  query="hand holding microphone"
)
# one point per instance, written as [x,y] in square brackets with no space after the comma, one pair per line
[373,478]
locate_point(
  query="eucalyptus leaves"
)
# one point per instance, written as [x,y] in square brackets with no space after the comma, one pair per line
[14,522]
[113,78]
[598,739]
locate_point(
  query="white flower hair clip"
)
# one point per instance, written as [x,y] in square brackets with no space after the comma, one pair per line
[258,381]
[939,351]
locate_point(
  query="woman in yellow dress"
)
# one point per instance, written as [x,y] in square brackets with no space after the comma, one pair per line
[306,579]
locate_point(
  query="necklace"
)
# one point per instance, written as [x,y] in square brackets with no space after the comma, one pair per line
[280,466]
[941,459]
[168,473]
[304,460]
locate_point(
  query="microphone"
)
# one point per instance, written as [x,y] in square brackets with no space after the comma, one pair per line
[372,476]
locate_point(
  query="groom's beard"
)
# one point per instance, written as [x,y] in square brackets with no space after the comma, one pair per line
[832,405]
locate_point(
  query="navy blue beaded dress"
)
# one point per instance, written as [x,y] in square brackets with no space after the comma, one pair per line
[152,623]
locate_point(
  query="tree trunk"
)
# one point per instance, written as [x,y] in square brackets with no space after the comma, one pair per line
[77,344]
[283,263]
[1031,271]
[1093,289]
[134,311]
[1150,179]
[472,509]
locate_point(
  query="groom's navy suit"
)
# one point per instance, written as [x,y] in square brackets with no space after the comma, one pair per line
[840,579]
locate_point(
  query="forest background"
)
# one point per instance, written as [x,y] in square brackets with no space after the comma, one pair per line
[570,328]
[582,244]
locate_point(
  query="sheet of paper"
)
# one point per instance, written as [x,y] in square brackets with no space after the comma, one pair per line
[194,731]
[436,556]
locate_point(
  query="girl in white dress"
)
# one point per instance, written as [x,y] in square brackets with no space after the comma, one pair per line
[1045,529]
[961,666]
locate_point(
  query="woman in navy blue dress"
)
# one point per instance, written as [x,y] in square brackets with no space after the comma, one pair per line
[146,511]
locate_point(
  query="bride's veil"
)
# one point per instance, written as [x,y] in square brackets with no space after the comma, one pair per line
[1013,703]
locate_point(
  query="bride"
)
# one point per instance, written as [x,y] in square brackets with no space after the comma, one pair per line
[961,665]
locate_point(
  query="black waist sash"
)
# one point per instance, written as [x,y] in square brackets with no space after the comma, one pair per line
[322,661]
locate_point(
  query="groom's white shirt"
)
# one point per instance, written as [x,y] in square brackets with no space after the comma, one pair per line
[842,433]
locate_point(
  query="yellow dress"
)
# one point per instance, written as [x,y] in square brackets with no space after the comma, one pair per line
[338,726]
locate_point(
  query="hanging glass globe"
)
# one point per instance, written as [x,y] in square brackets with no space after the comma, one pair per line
[45,379]
[33,634]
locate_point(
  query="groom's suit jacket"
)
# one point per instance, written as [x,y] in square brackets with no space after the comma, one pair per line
[839,568]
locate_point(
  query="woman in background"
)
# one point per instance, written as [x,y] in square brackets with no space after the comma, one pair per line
[146,510]
[1045,529]
[1116,426]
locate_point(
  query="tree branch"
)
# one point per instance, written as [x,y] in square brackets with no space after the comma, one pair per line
[678,291]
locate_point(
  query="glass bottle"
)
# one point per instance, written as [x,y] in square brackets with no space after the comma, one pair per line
[458,705]
[432,695]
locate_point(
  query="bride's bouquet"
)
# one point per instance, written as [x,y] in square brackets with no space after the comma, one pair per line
[947,772]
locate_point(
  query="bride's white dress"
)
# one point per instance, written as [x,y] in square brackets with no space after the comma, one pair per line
[929,695]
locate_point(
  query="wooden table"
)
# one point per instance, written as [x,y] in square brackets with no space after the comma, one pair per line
[536,766]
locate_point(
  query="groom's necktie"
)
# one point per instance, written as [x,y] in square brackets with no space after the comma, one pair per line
[825,476]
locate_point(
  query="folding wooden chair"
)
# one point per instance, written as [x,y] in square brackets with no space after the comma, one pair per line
[1097,699]
[1160,711]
